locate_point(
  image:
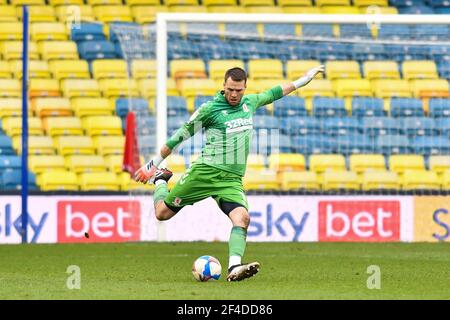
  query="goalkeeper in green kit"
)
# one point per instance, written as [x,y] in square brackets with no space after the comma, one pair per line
[218,172]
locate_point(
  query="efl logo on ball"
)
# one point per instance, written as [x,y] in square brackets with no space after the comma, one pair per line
[206,268]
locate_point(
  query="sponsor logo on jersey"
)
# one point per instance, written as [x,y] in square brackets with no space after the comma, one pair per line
[245,108]
[240,124]
[177,201]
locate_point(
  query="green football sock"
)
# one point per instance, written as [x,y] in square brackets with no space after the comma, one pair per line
[237,244]
[160,193]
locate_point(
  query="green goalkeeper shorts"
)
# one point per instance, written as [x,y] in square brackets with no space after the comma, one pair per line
[201,181]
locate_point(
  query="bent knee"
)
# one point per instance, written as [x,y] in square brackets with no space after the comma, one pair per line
[162,212]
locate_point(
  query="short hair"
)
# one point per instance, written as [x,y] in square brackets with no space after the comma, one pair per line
[236,74]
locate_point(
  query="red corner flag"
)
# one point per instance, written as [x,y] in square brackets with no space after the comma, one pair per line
[131,160]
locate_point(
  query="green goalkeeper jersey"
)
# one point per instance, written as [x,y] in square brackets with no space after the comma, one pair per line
[228,129]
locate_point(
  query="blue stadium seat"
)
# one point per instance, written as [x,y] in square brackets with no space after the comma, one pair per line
[439,107]
[312,144]
[405,3]
[241,31]
[392,144]
[118,31]
[364,51]
[6,147]
[381,126]
[367,107]
[418,126]
[443,67]
[174,123]
[443,124]
[431,145]
[354,31]
[265,122]
[88,32]
[331,51]
[431,32]
[146,125]
[395,31]
[176,106]
[442,10]
[354,144]
[341,126]
[199,100]
[12,180]
[138,49]
[273,31]
[203,31]
[317,30]
[406,107]
[439,3]
[90,50]
[300,126]
[290,106]
[147,145]
[328,107]
[282,145]
[138,105]
[262,111]
[416,10]
[10,163]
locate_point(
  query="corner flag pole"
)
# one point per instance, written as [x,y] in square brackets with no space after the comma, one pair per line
[25,125]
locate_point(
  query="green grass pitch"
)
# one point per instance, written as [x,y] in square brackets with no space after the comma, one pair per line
[288,271]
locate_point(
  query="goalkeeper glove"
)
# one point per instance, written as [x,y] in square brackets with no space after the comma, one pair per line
[308,76]
[147,171]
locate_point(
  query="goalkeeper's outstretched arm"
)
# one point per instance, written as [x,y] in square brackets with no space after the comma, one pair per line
[303,81]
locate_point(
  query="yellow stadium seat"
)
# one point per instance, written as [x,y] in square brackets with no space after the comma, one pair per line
[11,107]
[147,14]
[226,9]
[5,71]
[68,145]
[108,145]
[287,162]
[121,87]
[342,69]
[58,180]
[11,31]
[299,180]
[80,88]
[102,125]
[41,31]
[58,3]
[187,69]
[255,162]
[265,68]
[132,3]
[344,180]
[263,9]
[295,3]
[188,9]
[266,84]
[60,50]
[46,107]
[401,163]
[391,88]
[39,13]
[420,180]
[361,163]
[66,126]
[380,180]
[181,2]
[91,107]
[366,3]
[36,69]
[439,164]
[339,10]
[103,2]
[318,87]
[36,145]
[42,163]
[27,2]
[147,88]
[298,68]
[217,68]
[246,3]
[197,87]
[107,68]
[261,180]
[176,163]
[12,50]
[419,69]
[209,3]
[39,87]
[321,3]
[13,126]
[114,162]
[106,181]
[353,87]
[85,163]
[10,88]
[381,70]
[320,163]
[66,69]
[114,13]
[8,13]
[300,9]
[430,88]
[145,68]
[446,180]
[378,10]
[74,13]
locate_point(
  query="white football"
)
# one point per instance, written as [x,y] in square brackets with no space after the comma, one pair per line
[206,268]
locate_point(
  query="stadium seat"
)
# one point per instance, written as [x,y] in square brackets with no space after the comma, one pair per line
[300,9]
[113,13]
[69,145]
[418,126]
[176,163]
[367,107]
[143,68]
[445,180]
[392,144]
[109,69]
[147,14]
[12,180]
[36,69]
[100,49]
[317,30]
[67,69]
[105,181]
[66,12]
[10,162]
[108,145]
[265,68]
[85,163]
[80,88]
[430,88]
[196,87]
[391,88]
[321,163]
[261,180]
[289,106]
[13,126]
[5,71]
[319,87]
[285,162]
[344,180]
[439,164]
[58,180]
[7,13]
[374,70]
[10,88]
[39,87]
[241,31]
[103,2]
[46,107]
[36,145]
[376,180]
[419,70]
[27,2]
[353,87]
[443,124]
[63,126]
[255,162]
[342,70]
[11,31]
[431,145]
[39,13]
[328,107]
[295,180]
[350,30]
[122,87]
[180,69]
[339,10]
[88,32]
[406,107]
[361,163]
[51,50]
[12,50]
[6,146]
[401,163]
[217,68]
[351,142]
[147,88]
[420,180]
[41,31]
[11,107]
[41,163]
[84,106]
[298,68]
[102,125]
[439,107]
[114,162]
